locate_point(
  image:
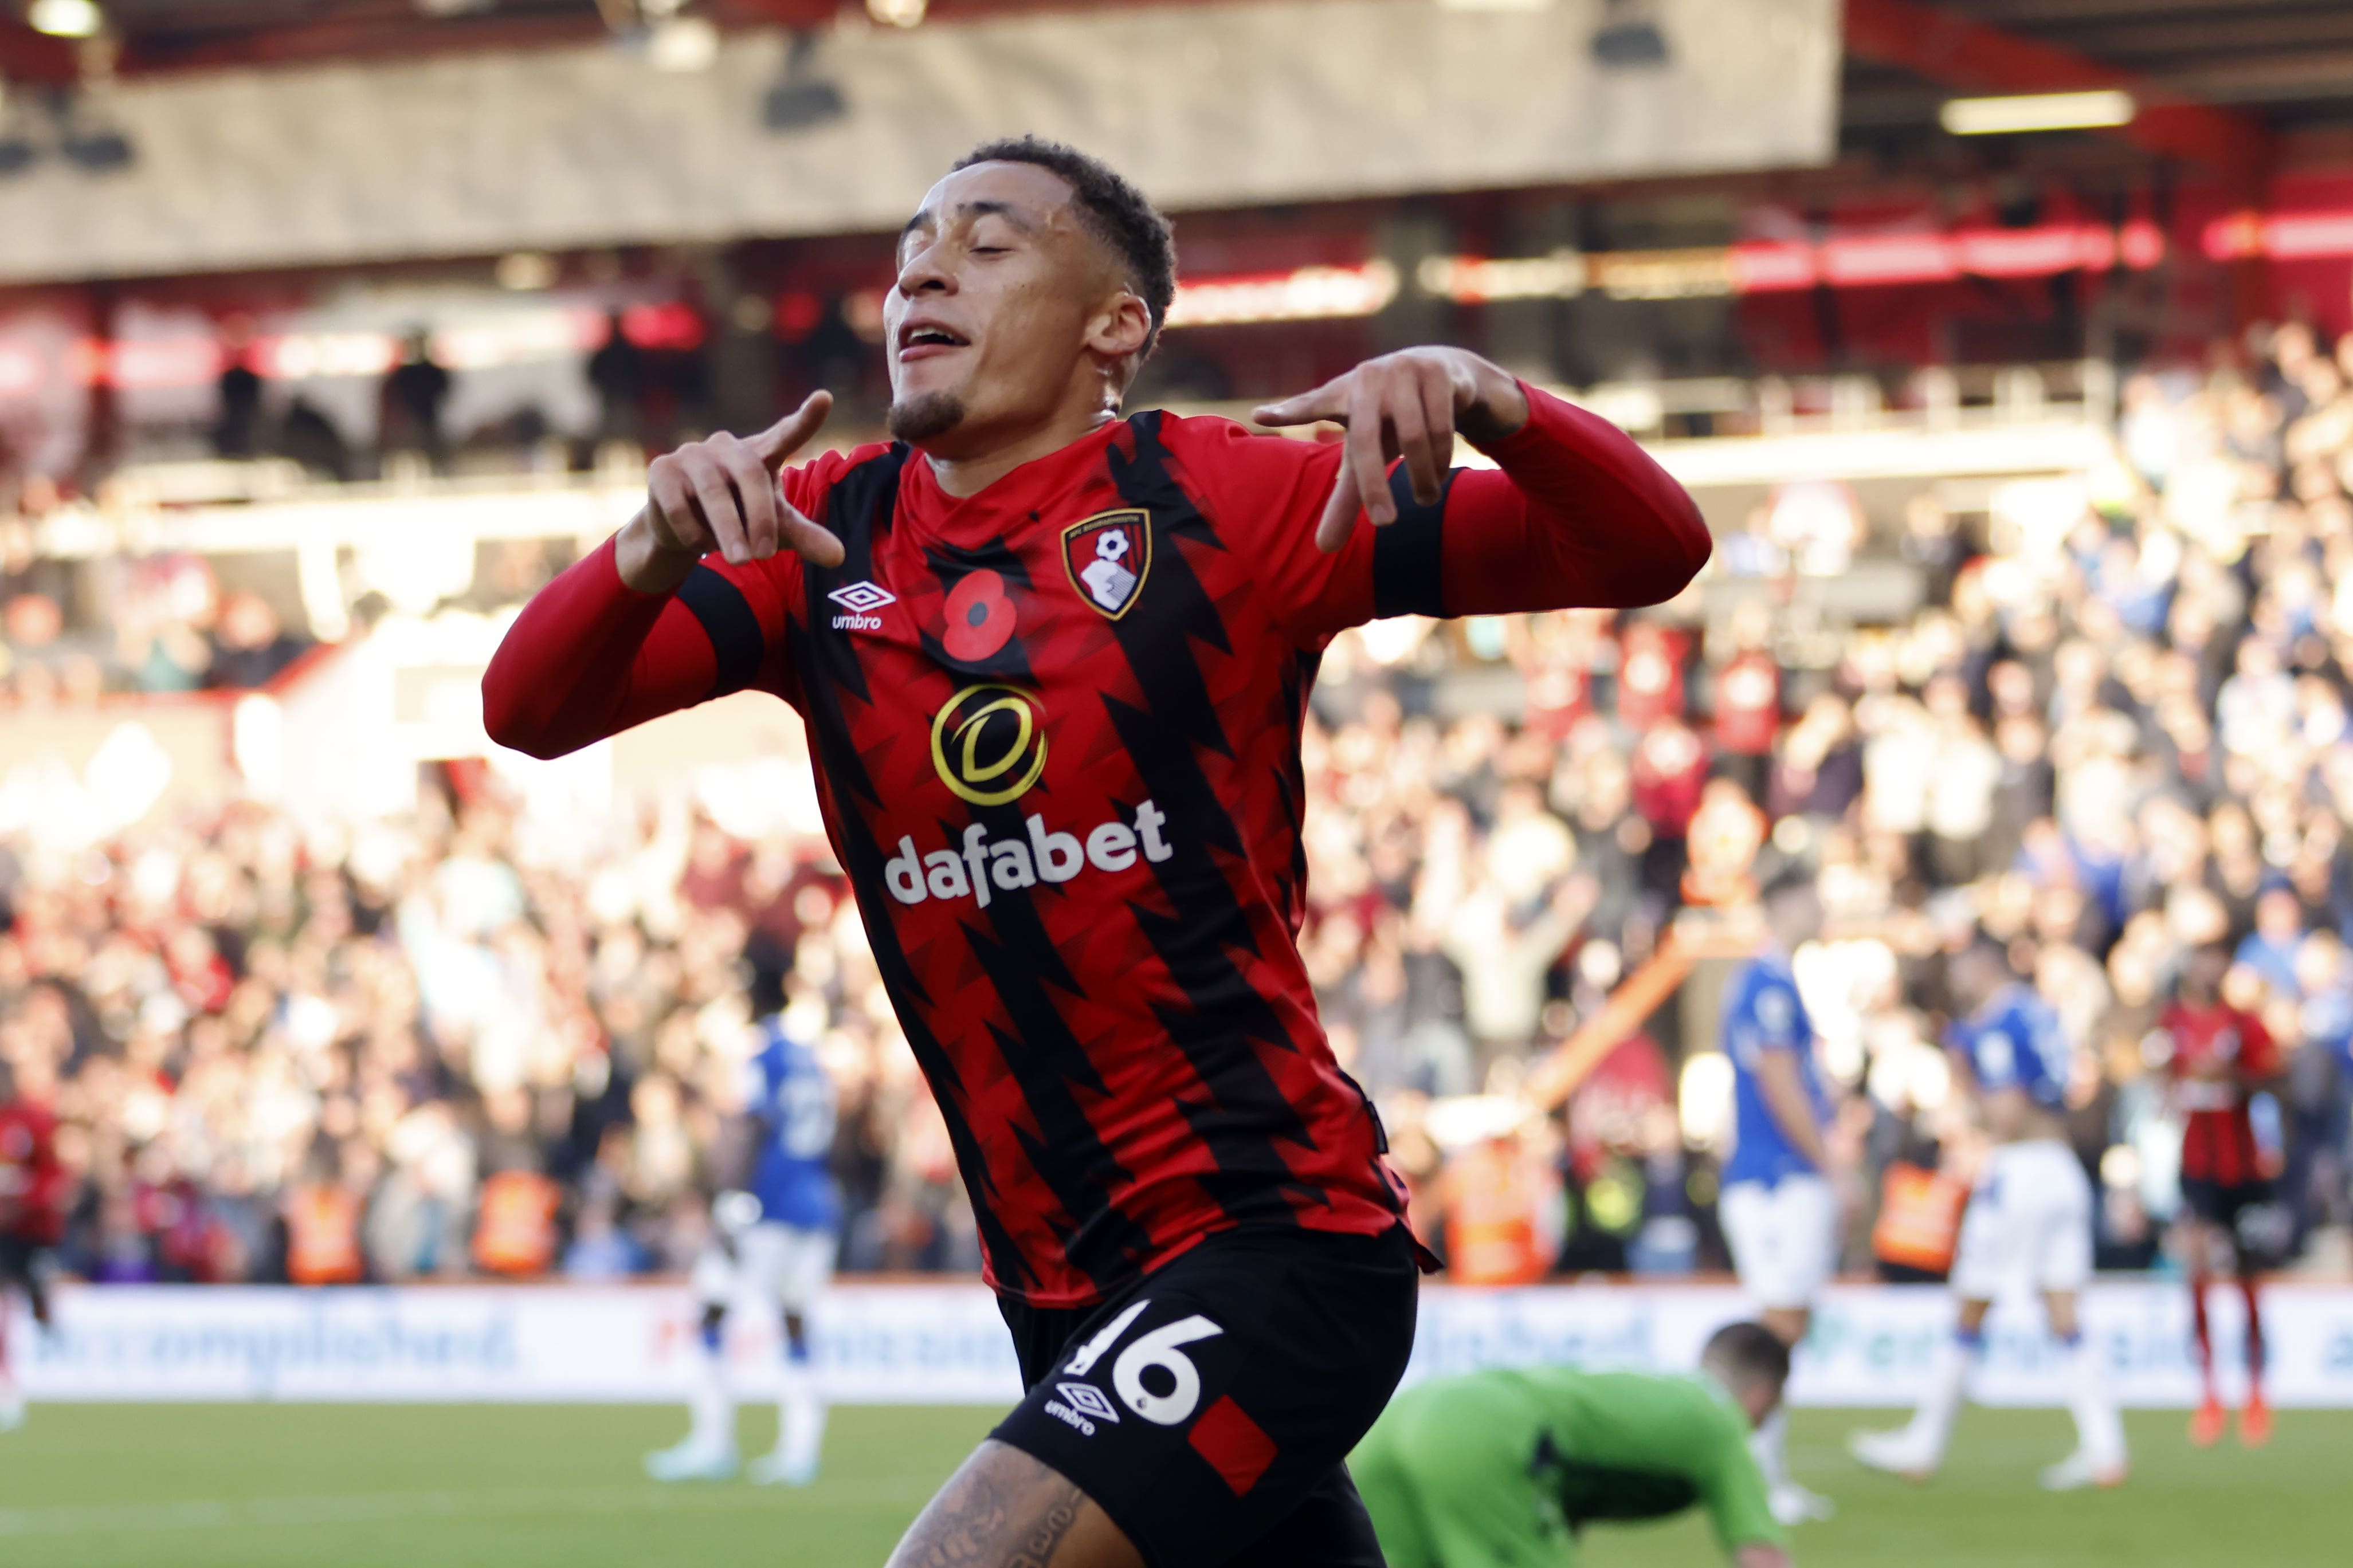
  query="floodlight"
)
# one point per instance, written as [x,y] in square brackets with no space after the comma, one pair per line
[66,19]
[2038,111]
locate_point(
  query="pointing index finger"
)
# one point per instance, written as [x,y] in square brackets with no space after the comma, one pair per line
[786,436]
[1305,408]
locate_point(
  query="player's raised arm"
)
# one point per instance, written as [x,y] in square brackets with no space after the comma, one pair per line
[613,641]
[1575,515]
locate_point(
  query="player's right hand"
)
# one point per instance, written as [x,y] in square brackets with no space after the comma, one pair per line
[720,494]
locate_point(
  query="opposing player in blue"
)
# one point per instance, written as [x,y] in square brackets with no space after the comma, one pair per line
[2028,1228]
[772,1244]
[1778,1210]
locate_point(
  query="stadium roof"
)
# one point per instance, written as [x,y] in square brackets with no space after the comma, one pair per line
[2275,67]
[2271,68]
[182,35]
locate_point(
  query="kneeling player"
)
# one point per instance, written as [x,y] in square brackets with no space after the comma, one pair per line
[773,1243]
[2027,1228]
[1505,1467]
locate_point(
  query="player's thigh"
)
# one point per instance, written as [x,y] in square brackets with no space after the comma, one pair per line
[804,1268]
[2204,1203]
[1332,1527]
[1745,1210]
[1504,1523]
[1806,1210]
[1204,1405]
[1006,1506]
[1780,1238]
[2061,1226]
[1988,1255]
[715,1280]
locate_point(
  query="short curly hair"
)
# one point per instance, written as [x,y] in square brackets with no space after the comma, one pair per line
[1114,211]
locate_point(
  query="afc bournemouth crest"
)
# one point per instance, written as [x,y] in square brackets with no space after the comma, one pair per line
[1108,557]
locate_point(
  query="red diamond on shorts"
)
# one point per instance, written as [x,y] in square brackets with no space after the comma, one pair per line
[1237,1447]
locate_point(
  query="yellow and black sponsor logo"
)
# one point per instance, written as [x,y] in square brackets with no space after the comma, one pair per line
[988,744]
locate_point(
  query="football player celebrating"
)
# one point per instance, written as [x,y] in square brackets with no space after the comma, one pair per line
[773,1244]
[1063,777]
[2027,1228]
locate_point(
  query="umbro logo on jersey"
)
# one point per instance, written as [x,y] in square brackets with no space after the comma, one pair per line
[861,597]
[862,600]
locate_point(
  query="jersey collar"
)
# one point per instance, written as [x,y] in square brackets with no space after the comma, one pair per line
[1031,488]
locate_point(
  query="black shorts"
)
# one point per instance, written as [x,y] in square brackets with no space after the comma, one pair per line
[2223,1203]
[2249,1213]
[1208,1406]
[24,1265]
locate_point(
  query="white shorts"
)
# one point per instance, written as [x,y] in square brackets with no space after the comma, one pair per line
[2028,1229]
[782,1264]
[1784,1238]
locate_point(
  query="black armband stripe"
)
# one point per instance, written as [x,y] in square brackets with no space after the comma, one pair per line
[737,644]
[1408,576]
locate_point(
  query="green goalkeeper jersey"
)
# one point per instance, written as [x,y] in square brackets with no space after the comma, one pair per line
[1501,1470]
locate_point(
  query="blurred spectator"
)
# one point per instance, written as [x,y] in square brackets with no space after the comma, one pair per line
[616,373]
[410,407]
[250,645]
[237,430]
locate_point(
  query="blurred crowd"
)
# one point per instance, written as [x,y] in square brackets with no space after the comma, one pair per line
[74,632]
[2112,733]
[2106,727]
[455,1044]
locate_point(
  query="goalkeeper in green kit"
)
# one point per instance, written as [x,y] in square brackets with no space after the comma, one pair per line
[1503,1468]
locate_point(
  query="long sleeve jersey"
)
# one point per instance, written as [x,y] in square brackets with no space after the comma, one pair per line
[1056,728]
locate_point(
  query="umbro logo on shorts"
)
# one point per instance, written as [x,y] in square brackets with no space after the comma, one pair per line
[861,599]
[1081,1405]
[1088,1400]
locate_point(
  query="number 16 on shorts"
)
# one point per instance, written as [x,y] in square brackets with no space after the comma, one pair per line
[1166,1399]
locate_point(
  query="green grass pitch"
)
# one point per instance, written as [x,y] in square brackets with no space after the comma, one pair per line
[453,1487]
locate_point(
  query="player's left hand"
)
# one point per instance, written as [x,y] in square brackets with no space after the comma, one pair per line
[1405,404]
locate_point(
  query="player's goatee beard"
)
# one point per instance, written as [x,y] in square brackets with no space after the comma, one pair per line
[919,419]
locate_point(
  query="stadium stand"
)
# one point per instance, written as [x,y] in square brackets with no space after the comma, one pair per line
[2100,714]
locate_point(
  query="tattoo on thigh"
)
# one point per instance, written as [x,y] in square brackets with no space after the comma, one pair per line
[1038,1550]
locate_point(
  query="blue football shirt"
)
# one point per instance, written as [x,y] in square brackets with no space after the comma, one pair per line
[788,1093]
[1762,1012]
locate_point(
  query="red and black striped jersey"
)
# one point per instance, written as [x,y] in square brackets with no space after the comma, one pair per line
[2220,1057]
[34,1187]
[1056,727]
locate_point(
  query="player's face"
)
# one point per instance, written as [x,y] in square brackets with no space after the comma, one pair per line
[997,315]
